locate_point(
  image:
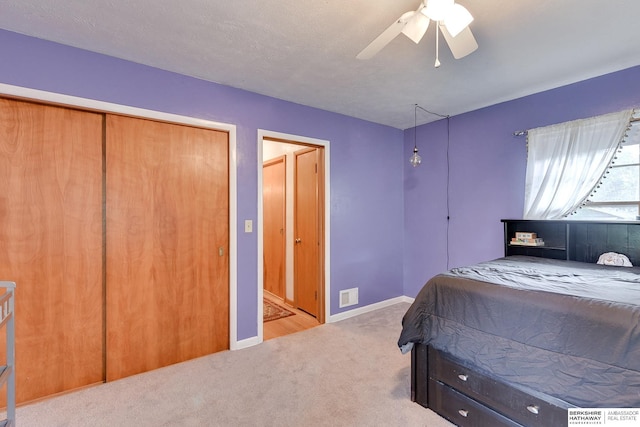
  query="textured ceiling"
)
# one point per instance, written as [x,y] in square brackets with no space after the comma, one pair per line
[305,51]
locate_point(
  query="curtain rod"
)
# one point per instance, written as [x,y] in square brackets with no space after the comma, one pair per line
[524,132]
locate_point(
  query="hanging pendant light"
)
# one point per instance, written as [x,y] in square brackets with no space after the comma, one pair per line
[415,158]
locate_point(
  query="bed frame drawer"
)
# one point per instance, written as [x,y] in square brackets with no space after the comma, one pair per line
[462,410]
[501,397]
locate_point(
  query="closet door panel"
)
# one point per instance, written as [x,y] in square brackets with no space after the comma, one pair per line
[167,244]
[51,244]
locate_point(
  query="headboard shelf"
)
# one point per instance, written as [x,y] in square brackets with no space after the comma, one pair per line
[575,240]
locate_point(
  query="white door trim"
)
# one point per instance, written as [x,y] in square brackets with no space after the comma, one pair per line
[262,134]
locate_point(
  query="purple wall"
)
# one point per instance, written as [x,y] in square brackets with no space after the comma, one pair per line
[386,238]
[486,173]
[366,158]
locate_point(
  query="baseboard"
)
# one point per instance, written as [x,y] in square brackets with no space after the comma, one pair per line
[245,343]
[368,308]
[250,342]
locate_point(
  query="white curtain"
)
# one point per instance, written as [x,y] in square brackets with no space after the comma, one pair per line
[566,161]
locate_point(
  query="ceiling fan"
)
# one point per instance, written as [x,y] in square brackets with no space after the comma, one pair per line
[452,18]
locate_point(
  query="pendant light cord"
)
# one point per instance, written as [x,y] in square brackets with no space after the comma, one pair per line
[415,132]
[415,128]
[430,112]
[448,168]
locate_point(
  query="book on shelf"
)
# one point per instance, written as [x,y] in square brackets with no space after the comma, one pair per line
[526,235]
[536,241]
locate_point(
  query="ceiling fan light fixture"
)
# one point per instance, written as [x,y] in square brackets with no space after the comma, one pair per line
[457,19]
[416,27]
[452,19]
[437,10]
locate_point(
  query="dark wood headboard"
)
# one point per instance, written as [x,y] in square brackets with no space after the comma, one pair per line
[581,240]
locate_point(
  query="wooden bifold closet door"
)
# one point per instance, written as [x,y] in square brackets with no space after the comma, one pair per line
[116,232]
[51,244]
[167,244]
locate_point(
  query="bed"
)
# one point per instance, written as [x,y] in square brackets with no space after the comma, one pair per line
[521,339]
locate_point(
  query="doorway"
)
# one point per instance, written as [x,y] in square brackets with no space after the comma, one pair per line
[293,238]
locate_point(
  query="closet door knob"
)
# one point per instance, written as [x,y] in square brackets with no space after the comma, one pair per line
[298,240]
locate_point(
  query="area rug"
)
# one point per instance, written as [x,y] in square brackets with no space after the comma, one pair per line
[273,311]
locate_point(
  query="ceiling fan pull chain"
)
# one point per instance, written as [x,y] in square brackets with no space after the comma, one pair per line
[437,64]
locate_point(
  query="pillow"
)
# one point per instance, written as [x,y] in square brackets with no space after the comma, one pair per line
[612,258]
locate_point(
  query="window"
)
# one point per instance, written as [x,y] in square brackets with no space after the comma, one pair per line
[567,161]
[617,197]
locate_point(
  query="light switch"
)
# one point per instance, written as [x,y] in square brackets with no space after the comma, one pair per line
[248,226]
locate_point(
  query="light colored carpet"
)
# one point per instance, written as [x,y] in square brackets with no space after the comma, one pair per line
[348,373]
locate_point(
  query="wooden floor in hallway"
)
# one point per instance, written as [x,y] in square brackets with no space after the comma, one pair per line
[288,325]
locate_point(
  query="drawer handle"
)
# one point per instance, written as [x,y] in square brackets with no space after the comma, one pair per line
[533,409]
[463,377]
[463,412]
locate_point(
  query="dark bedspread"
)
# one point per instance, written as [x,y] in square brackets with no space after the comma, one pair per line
[567,329]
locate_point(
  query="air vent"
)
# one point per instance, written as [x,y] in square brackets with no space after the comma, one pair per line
[348,297]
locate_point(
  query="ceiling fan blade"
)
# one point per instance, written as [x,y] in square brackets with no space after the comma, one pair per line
[461,45]
[416,27]
[457,19]
[385,38]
